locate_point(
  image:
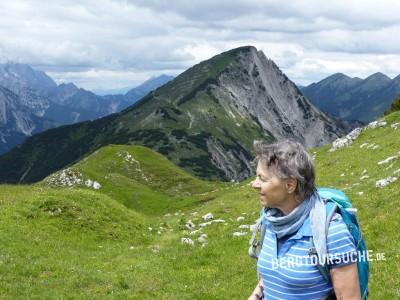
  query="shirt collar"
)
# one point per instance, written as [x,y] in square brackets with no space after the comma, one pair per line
[304,230]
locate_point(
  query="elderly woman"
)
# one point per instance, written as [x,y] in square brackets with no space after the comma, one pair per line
[292,214]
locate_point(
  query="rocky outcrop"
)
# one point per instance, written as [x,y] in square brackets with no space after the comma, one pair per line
[70,178]
[255,87]
[353,135]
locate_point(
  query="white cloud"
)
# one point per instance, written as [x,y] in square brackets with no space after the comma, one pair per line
[98,79]
[116,43]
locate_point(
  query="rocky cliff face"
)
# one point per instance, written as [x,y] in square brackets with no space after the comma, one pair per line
[259,88]
[29,85]
[19,77]
[253,88]
[19,119]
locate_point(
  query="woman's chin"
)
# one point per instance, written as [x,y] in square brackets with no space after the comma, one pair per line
[263,202]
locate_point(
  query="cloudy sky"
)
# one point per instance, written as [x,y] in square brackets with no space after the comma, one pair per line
[111,44]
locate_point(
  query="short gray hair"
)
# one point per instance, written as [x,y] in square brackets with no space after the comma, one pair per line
[288,159]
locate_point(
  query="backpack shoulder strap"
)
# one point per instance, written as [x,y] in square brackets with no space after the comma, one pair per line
[262,234]
[255,245]
[331,208]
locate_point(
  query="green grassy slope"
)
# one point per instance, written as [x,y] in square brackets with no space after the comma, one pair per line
[379,208]
[57,243]
[99,244]
[142,179]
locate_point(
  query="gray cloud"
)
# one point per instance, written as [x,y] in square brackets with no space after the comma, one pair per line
[115,43]
[348,12]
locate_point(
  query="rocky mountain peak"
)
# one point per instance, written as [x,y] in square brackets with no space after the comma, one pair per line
[63,92]
[396,79]
[68,86]
[18,77]
[336,82]
[337,77]
[148,86]
[378,77]
[255,86]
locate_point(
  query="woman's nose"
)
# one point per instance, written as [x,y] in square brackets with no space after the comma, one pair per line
[256,183]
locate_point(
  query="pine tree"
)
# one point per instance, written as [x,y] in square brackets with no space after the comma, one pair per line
[395,106]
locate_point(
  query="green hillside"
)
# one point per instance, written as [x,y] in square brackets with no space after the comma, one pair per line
[123,240]
[379,208]
[140,178]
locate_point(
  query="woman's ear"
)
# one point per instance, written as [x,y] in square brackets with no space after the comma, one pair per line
[291,185]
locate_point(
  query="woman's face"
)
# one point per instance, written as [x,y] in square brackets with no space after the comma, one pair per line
[274,192]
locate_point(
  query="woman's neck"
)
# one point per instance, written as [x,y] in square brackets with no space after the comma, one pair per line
[288,206]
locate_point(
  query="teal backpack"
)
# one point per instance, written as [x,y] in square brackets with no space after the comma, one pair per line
[336,201]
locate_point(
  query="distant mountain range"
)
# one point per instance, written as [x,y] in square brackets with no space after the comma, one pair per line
[30,102]
[205,121]
[352,98]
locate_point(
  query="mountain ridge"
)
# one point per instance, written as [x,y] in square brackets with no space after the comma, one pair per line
[354,99]
[205,121]
[60,104]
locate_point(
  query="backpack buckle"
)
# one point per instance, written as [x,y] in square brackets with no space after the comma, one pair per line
[312,251]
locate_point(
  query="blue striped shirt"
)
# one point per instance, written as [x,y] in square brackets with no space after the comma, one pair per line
[288,271]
